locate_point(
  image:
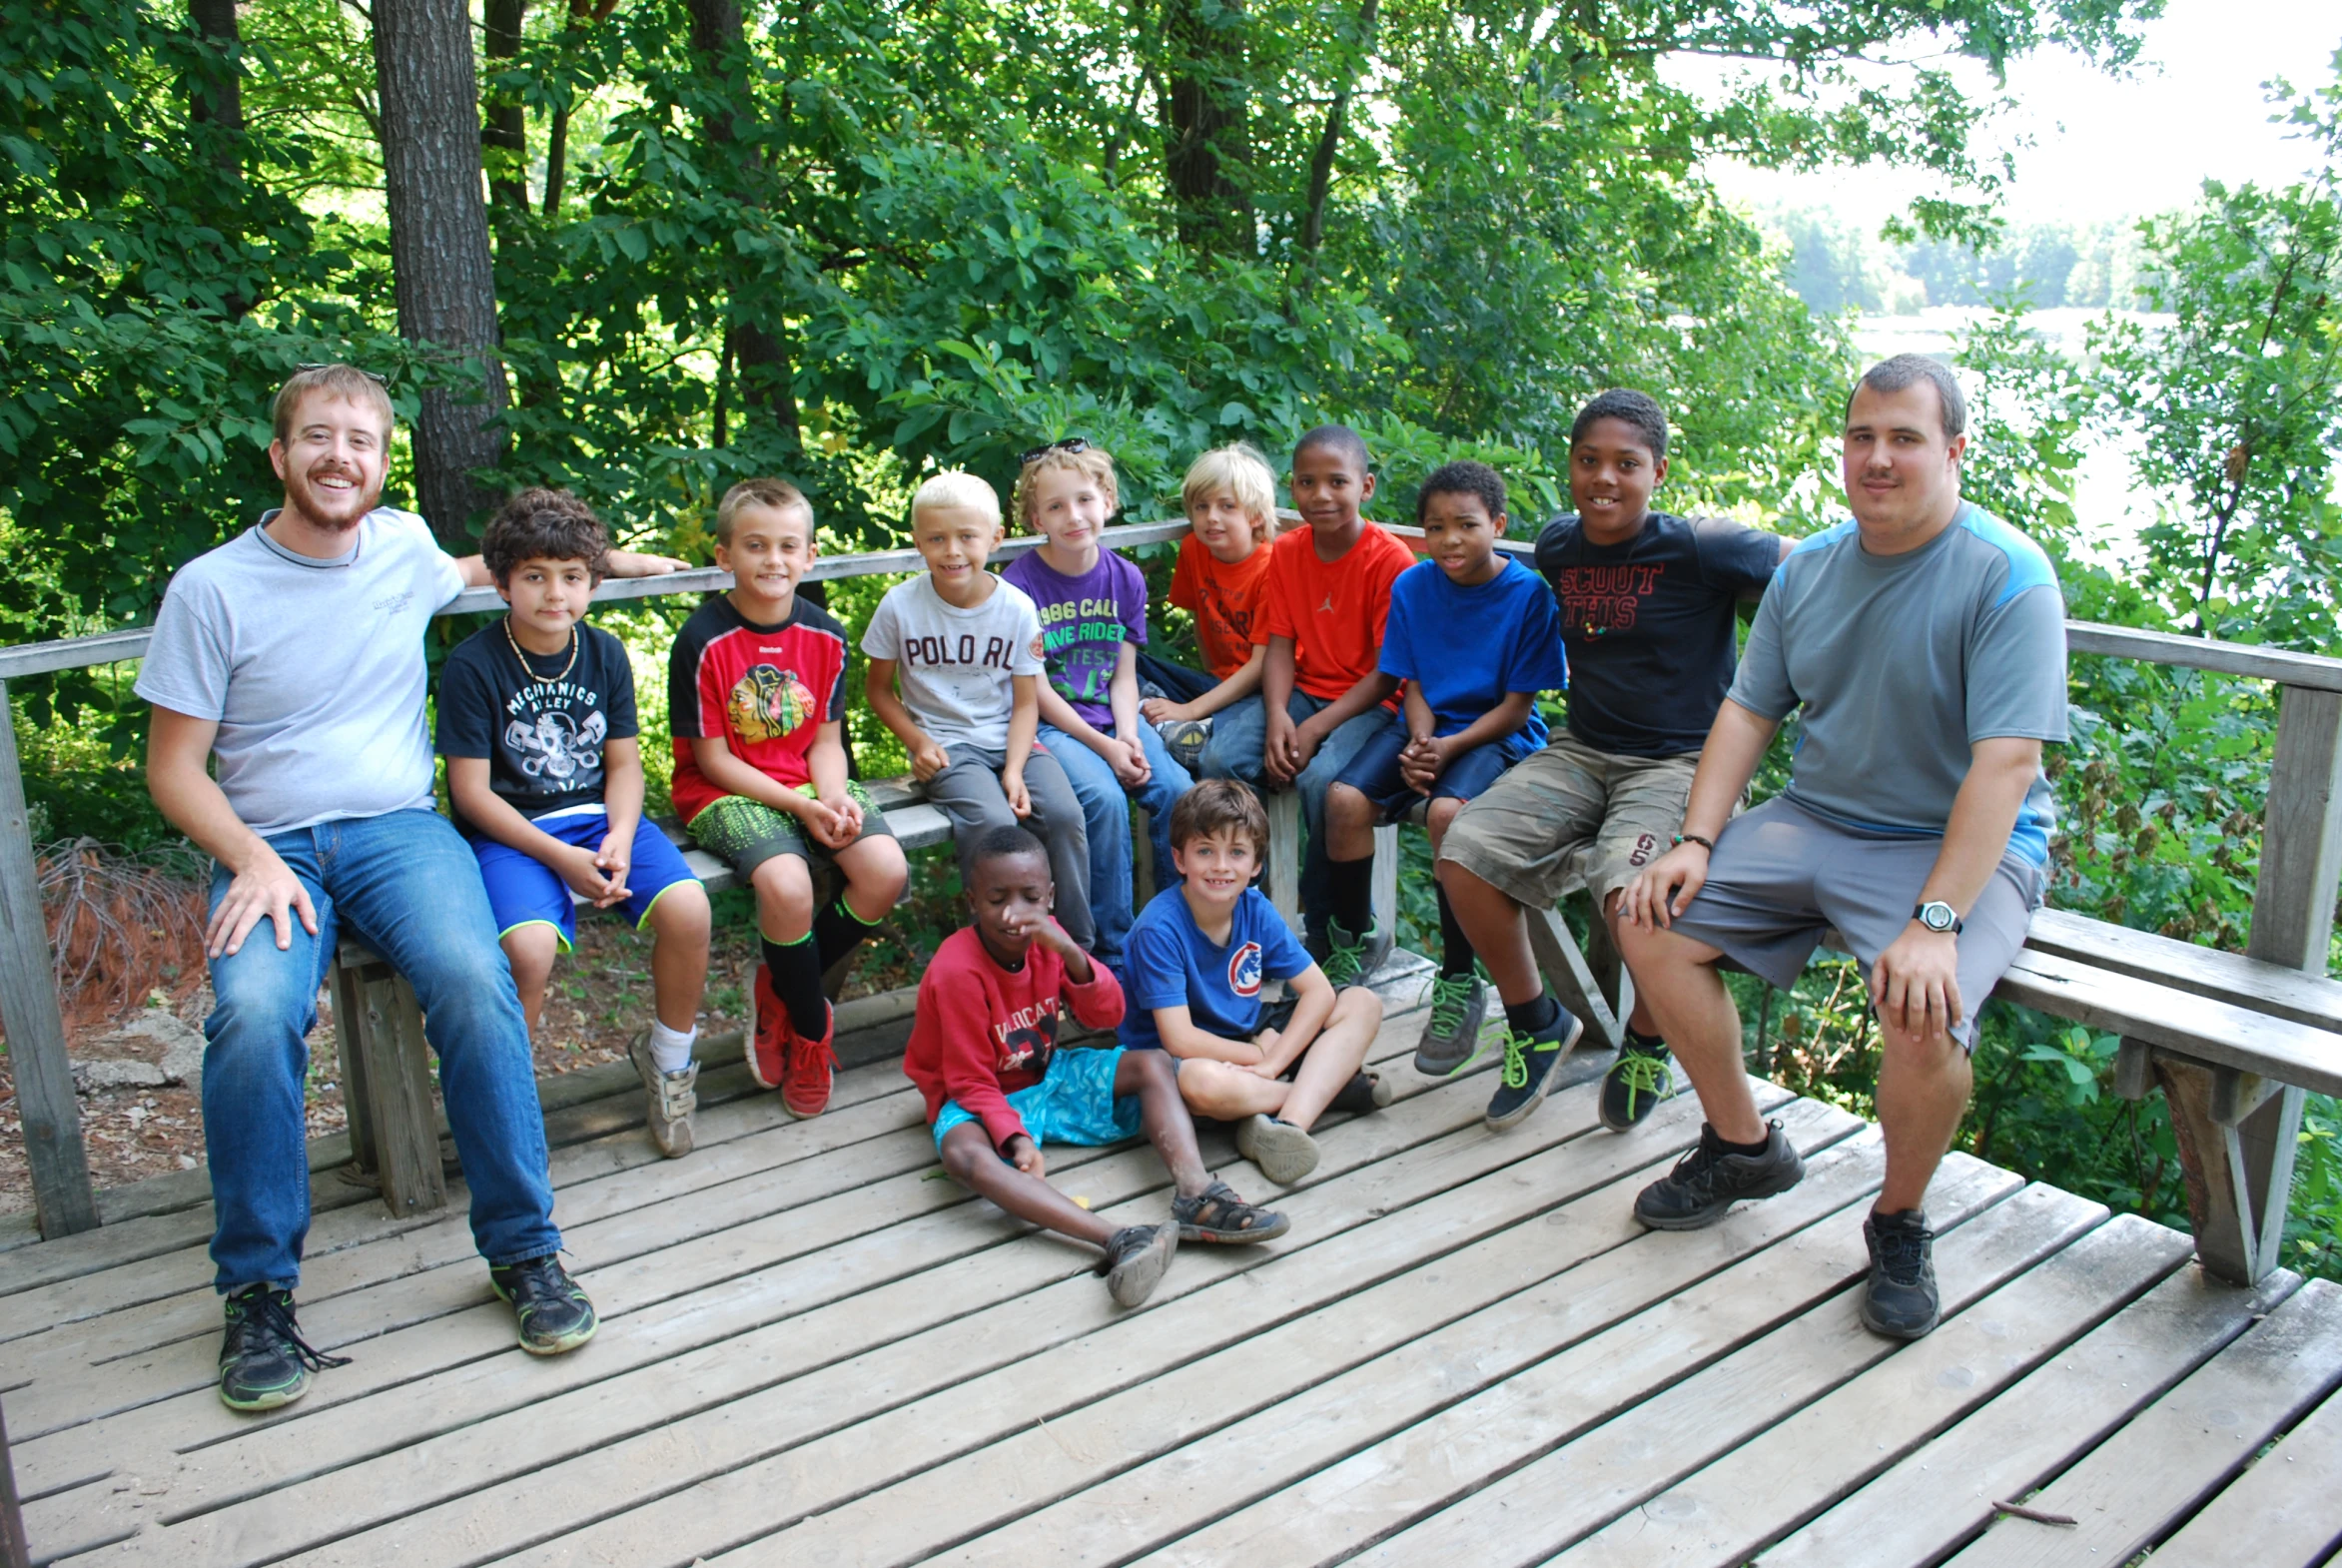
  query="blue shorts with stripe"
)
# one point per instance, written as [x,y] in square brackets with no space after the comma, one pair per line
[523,890]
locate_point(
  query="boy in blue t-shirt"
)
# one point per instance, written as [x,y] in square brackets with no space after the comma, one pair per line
[1476,637]
[1196,960]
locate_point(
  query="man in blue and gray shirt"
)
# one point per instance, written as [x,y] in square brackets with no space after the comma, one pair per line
[1922,645]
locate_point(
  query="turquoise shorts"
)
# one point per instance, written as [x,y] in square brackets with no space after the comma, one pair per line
[1075,1103]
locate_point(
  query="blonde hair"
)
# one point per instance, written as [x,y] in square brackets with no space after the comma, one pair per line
[1239,470]
[1091,461]
[346,382]
[777,494]
[956,487]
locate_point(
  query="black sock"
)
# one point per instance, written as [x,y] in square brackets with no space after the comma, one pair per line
[796,968]
[838,931]
[1757,1148]
[1649,1045]
[1457,952]
[1539,1011]
[1350,894]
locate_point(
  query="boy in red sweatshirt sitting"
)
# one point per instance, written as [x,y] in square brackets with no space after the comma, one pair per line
[984,1053]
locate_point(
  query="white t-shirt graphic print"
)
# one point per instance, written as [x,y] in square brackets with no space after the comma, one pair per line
[955,665]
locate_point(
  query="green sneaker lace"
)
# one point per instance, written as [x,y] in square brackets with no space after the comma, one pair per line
[1345,961]
[1517,1046]
[1642,1075]
[1451,1000]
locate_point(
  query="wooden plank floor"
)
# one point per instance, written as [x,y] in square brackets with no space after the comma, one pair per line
[815,1350]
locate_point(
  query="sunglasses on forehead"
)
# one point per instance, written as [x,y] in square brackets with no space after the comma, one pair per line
[376,378]
[1071,443]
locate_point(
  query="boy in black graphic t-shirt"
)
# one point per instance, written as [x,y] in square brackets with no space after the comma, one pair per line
[536,721]
[1648,609]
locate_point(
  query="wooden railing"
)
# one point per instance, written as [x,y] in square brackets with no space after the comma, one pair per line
[2293,904]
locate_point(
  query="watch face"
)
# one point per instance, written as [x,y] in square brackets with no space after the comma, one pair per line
[1936,916]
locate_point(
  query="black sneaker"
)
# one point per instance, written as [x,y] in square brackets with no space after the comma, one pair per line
[1899,1300]
[555,1314]
[264,1361]
[1531,1064]
[1451,1031]
[1350,959]
[1710,1179]
[1636,1082]
[1135,1261]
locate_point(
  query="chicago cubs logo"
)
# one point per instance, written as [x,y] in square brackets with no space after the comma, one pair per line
[1244,970]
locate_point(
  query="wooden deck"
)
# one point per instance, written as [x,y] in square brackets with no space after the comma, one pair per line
[815,1350]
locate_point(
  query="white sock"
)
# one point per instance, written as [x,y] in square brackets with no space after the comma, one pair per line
[671,1048]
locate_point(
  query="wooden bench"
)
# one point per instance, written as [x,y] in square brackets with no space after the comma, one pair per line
[396,1134]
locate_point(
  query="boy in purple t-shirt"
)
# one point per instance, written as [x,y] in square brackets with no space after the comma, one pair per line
[1093,619]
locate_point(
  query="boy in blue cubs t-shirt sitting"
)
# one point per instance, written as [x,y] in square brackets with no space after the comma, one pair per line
[1196,962]
[1476,637]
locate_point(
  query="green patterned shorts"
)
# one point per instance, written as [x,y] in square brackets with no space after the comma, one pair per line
[747,833]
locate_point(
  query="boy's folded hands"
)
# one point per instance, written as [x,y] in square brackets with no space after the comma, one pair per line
[582,869]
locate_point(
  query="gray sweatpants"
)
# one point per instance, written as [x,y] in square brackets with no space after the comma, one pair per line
[969,792]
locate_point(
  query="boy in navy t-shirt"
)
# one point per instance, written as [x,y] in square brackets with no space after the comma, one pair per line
[1476,637]
[544,772]
[1197,958]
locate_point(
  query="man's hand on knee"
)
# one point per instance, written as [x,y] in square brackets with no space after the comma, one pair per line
[265,886]
[1665,887]
[1915,986]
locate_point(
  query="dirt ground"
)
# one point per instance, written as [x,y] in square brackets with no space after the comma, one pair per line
[600,996]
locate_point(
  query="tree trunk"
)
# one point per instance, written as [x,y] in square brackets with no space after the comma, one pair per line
[582,14]
[219,100]
[1206,141]
[764,372]
[503,135]
[442,276]
[1321,164]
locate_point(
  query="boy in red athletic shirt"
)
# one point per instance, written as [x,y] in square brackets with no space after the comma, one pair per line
[1320,695]
[1222,577]
[756,695]
[983,1054]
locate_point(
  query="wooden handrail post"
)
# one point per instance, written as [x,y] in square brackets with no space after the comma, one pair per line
[14,1553]
[28,1011]
[2301,834]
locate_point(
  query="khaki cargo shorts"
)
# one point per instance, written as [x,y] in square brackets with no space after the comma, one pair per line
[1571,816]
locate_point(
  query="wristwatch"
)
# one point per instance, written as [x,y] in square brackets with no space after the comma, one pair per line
[1936,915]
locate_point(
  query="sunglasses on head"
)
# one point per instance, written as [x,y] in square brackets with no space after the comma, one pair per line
[1071,443]
[372,376]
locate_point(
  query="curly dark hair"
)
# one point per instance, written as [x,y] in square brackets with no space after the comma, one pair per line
[543,524]
[1464,479]
[1639,410]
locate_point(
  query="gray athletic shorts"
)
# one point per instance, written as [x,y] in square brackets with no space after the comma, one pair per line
[1781,876]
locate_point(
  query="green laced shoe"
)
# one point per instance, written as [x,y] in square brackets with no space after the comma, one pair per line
[1532,1065]
[1352,960]
[1636,1082]
[1451,1035]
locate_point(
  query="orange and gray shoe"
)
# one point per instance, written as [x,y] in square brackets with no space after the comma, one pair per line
[768,1032]
[812,1070]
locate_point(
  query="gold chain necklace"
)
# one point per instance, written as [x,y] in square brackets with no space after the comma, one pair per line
[575,642]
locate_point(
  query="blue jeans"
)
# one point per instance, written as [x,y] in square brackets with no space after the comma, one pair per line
[406,885]
[1106,812]
[1240,737]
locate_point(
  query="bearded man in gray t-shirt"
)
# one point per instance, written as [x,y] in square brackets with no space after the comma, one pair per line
[292,656]
[1923,646]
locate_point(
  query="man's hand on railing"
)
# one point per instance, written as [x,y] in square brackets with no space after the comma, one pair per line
[633,563]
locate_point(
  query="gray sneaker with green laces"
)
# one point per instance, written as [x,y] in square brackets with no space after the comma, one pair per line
[1451,1033]
[1352,960]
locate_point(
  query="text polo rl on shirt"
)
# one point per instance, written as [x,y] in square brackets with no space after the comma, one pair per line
[936,649]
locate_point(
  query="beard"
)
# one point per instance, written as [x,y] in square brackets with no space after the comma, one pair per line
[339,510]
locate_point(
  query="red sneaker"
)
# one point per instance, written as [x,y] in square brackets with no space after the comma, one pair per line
[813,1067]
[768,1032]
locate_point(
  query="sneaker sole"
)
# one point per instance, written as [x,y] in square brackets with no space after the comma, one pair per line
[1133,1280]
[273,1399]
[1701,1219]
[1520,1112]
[566,1343]
[1286,1155]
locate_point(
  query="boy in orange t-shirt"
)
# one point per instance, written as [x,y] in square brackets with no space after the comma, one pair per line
[1222,576]
[1328,594]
